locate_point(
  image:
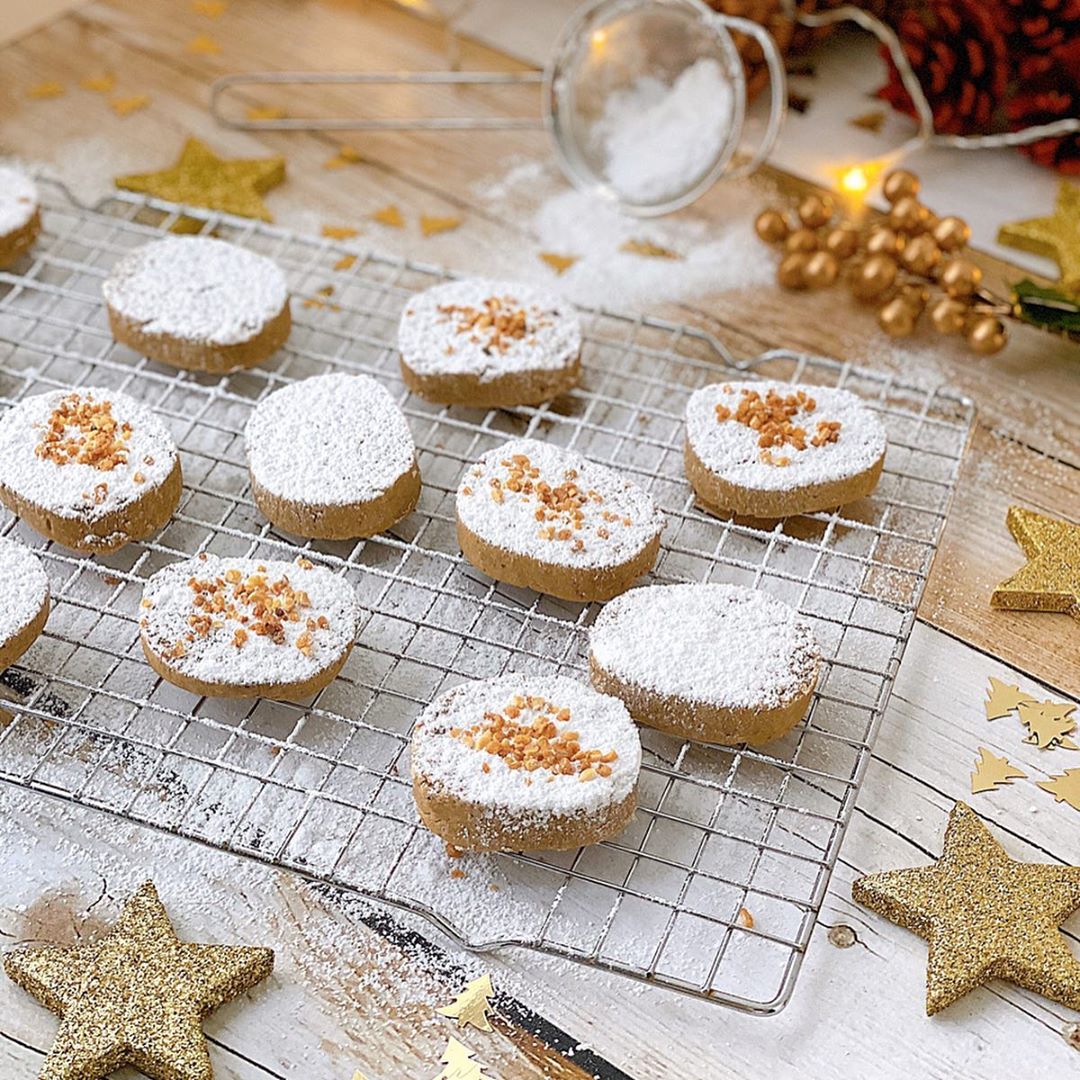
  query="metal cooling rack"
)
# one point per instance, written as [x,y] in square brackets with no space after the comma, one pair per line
[714,888]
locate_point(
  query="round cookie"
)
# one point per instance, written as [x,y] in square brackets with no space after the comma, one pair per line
[228,627]
[20,216]
[332,458]
[25,588]
[539,516]
[198,303]
[525,762]
[771,450]
[488,344]
[92,469]
[714,663]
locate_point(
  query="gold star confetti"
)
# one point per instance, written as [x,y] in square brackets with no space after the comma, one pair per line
[203,45]
[339,232]
[430,225]
[137,997]
[648,249]
[459,1063]
[346,262]
[201,178]
[389,215]
[1056,236]
[871,121]
[1051,579]
[984,915]
[992,771]
[1064,788]
[125,106]
[265,112]
[209,9]
[346,155]
[471,1005]
[1002,698]
[559,263]
[1048,721]
[99,84]
[42,90]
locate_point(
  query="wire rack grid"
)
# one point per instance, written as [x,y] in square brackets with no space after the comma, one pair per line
[714,888]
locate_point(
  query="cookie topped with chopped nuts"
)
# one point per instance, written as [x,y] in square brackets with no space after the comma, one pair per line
[230,627]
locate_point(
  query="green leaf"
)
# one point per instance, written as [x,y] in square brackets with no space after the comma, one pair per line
[1047,307]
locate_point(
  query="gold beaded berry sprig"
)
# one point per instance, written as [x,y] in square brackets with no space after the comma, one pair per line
[909,262]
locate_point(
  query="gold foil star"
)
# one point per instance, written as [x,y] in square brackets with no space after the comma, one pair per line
[1002,698]
[984,915]
[559,263]
[1064,788]
[992,771]
[390,215]
[1051,579]
[1057,236]
[430,225]
[201,178]
[471,1005]
[137,997]
[1048,721]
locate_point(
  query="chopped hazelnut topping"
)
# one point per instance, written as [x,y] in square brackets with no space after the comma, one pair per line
[84,432]
[500,319]
[773,416]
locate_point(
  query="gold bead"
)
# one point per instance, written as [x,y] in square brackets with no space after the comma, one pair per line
[921,254]
[986,335]
[816,210]
[899,184]
[843,241]
[792,271]
[908,214]
[875,276]
[771,226]
[821,270]
[952,233]
[897,318]
[915,296]
[960,277]
[804,240]
[884,241]
[948,315]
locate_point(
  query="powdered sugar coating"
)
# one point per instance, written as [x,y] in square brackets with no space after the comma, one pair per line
[18,200]
[618,521]
[602,723]
[722,645]
[215,658]
[730,449]
[197,289]
[329,440]
[431,343]
[24,586]
[73,489]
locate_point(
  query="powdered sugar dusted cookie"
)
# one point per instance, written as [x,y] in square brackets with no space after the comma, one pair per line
[248,627]
[24,586]
[199,303]
[525,763]
[773,449]
[537,515]
[489,344]
[332,457]
[20,215]
[715,663]
[91,468]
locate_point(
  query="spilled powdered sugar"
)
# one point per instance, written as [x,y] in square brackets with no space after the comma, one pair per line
[329,440]
[24,585]
[18,200]
[198,289]
[215,658]
[602,723]
[74,489]
[433,341]
[730,449]
[724,645]
[618,518]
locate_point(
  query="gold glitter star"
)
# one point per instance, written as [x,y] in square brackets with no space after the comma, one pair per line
[1051,579]
[201,178]
[136,997]
[1057,236]
[984,915]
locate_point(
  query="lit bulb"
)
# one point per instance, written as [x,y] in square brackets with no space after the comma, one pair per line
[854,180]
[598,39]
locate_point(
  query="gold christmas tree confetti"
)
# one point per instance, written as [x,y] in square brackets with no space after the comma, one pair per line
[1056,236]
[871,121]
[125,106]
[1048,721]
[648,249]
[265,112]
[992,771]
[1002,699]
[460,1064]
[358,1075]
[1051,579]
[42,90]
[203,45]
[389,215]
[136,997]
[471,1005]
[99,84]
[1064,788]
[559,263]
[346,262]
[320,299]
[984,915]
[339,232]
[346,155]
[431,225]
[209,9]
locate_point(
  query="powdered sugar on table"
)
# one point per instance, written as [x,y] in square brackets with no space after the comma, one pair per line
[24,586]
[197,289]
[18,200]
[612,520]
[723,645]
[329,440]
